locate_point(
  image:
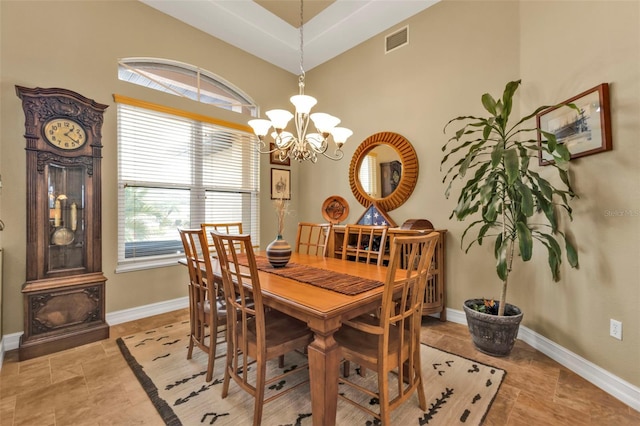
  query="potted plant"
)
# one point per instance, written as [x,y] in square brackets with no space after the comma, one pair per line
[509,202]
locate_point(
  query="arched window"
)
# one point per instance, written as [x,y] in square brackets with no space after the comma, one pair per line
[187,81]
[179,169]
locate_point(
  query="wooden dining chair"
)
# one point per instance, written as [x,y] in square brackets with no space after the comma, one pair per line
[312,238]
[389,344]
[226,227]
[364,243]
[207,310]
[255,334]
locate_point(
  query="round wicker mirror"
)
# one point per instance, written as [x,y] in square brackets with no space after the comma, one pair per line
[408,175]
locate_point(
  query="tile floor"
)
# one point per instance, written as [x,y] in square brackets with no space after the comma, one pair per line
[92,385]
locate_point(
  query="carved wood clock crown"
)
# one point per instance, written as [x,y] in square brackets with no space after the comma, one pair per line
[64,292]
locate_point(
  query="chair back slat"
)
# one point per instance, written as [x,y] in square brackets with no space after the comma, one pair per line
[312,238]
[198,259]
[364,243]
[225,227]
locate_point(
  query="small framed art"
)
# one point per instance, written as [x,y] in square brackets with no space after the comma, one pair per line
[275,156]
[584,132]
[280,184]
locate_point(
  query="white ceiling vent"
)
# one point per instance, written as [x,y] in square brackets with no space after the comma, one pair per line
[396,40]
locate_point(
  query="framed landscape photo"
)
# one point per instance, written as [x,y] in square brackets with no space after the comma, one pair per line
[583,132]
[280,184]
[275,156]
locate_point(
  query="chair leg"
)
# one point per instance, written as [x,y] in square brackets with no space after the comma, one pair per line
[281,361]
[259,396]
[227,368]
[346,367]
[422,400]
[383,389]
[212,354]
[190,350]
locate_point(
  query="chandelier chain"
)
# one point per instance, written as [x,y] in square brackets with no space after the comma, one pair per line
[302,38]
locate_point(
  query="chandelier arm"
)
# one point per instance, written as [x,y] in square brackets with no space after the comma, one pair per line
[337,155]
[261,146]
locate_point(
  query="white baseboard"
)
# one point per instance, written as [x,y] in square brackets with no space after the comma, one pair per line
[613,385]
[12,341]
[1,353]
[138,312]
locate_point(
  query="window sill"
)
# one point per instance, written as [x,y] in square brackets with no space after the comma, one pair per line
[138,265]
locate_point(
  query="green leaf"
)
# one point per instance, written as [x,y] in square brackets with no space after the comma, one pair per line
[563,152]
[525,240]
[564,176]
[489,103]
[526,201]
[511,165]
[554,265]
[501,261]
[507,98]
[486,132]
[492,209]
[496,155]
[551,140]
[572,254]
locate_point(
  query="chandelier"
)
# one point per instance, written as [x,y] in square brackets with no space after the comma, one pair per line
[303,145]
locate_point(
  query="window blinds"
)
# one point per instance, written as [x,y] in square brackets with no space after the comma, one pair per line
[178,171]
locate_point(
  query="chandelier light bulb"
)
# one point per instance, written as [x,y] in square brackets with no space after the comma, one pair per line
[340,135]
[324,122]
[303,103]
[260,127]
[279,118]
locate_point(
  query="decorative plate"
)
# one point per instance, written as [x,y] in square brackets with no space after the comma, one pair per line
[62,237]
[335,209]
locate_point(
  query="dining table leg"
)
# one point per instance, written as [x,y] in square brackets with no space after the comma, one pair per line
[324,363]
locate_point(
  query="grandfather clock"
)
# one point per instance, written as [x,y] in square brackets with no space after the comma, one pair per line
[64,292]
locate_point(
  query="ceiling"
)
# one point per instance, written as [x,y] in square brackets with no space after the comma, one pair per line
[269,30]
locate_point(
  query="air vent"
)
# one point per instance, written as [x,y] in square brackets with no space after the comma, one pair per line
[396,40]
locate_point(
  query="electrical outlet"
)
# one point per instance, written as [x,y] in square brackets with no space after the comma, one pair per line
[615,329]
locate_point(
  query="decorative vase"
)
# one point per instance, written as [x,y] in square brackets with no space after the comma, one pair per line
[492,334]
[279,252]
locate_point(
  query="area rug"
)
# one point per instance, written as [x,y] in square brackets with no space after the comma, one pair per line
[458,390]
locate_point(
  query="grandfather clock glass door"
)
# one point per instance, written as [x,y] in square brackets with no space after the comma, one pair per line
[64,292]
[66,191]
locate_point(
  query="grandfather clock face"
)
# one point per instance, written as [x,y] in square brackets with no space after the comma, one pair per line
[65,133]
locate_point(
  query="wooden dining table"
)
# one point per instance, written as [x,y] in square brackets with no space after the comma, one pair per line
[324,311]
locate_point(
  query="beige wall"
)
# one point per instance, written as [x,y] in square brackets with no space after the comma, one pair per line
[76,45]
[458,50]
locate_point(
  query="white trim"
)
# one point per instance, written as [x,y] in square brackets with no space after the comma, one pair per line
[139,312]
[12,341]
[1,353]
[613,385]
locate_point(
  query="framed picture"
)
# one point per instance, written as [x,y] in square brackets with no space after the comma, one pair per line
[583,132]
[280,184]
[275,157]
